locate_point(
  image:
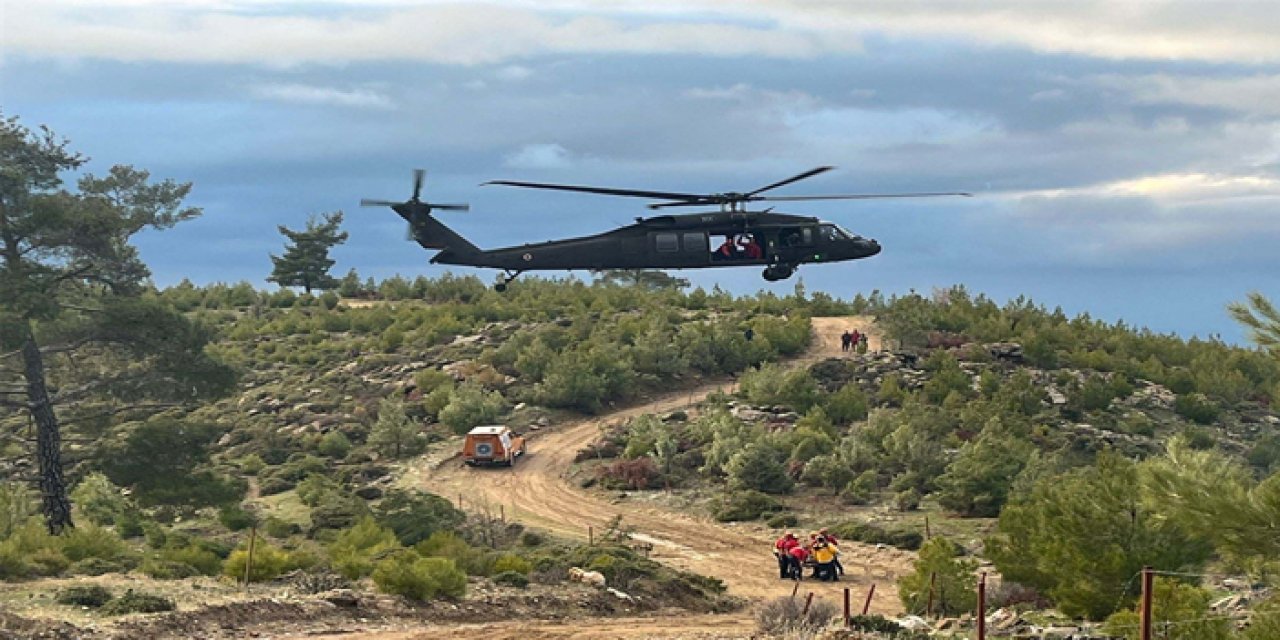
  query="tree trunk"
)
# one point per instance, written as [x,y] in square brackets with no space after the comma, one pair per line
[53,488]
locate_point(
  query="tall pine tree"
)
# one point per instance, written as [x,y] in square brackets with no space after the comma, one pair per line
[82,337]
[306,260]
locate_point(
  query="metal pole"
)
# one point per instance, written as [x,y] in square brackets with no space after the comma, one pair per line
[928,609]
[1145,607]
[248,564]
[795,589]
[866,606]
[847,617]
[982,606]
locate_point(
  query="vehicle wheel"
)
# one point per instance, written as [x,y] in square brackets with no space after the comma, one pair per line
[500,287]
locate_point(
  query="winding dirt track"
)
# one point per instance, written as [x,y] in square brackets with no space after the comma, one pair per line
[537,493]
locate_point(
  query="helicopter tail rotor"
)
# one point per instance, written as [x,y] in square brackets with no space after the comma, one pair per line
[422,228]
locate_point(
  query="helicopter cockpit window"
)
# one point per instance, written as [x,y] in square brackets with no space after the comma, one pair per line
[740,246]
[832,232]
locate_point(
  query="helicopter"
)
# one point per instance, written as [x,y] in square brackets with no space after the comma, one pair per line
[779,242]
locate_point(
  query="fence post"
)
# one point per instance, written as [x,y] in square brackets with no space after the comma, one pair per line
[847,618]
[928,609]
[928,533]
[1145,607]
[591,536]
[502,513]
[795,589]
[982,606]
[248,564]
[807,601]
[866,606]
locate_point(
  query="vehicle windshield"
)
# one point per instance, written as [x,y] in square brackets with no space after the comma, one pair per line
[832,232]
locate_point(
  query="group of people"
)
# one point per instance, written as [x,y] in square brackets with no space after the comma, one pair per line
[739,247]
[853,341]
[821,551]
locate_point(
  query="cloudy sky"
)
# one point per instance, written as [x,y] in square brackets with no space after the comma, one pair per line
[1125,156]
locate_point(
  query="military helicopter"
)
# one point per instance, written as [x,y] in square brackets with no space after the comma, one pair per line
[779,242]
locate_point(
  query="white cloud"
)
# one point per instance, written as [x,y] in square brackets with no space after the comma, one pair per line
[308,94]
[514,72]
[1254,94]
[266,32]
[539,156]
[1155,213]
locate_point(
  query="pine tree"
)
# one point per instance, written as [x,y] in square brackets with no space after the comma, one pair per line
[1263,321]
[71,285]
[395,434]
[306,260]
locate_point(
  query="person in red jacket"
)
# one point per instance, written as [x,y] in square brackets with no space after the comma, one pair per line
[798,555]
[782,549]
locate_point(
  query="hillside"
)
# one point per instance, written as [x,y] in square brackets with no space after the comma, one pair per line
[646,403]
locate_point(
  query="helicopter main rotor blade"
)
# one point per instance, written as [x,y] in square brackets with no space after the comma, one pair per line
[418,176]
[367,202]
[862,196]
[448,207]
[808,174]
[634,193]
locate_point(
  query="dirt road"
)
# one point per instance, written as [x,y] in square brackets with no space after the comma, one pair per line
[537,493]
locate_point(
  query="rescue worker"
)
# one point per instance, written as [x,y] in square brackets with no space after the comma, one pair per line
[824,556]
[831,540]
[782,550]
[798,557]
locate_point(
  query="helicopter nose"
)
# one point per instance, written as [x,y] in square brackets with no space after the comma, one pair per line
[868,246]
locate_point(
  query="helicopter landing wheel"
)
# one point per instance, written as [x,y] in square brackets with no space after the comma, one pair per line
[507,276]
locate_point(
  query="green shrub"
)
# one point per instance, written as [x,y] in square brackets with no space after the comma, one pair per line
[417,578]
[99,501]
[873,534]
[1197,407]
[91,541]
[444,544]
[134,602]
[355,550]
[277,528]
[236,518]
[782,520]
[759,467]
[203,560]
[165,570]
[746,505]
[334,445]
[512,578]
[268,562]
[941,577]
[531,539]
[414,516]
[95,567]
[89,595]
[508,562]
[472,406]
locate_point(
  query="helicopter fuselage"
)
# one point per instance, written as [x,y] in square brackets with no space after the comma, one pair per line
[688,241]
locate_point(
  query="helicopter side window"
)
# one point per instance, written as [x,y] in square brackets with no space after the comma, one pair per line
[695,242]
[666,242]
[741,246]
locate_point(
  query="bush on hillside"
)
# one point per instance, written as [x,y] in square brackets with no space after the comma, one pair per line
[417,578]
[746,505]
